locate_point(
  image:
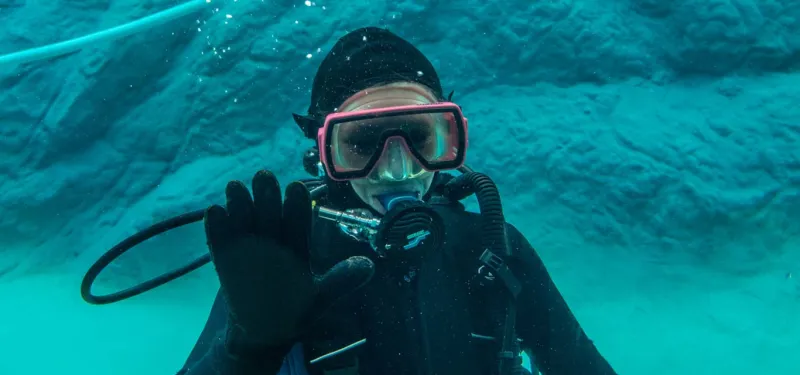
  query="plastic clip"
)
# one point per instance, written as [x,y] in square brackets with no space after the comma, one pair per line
[499,267]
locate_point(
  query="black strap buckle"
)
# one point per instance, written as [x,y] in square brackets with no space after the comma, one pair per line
[499,267]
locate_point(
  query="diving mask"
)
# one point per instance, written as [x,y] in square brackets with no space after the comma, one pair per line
[352,144]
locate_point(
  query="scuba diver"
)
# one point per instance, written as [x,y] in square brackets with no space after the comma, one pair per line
[385,273]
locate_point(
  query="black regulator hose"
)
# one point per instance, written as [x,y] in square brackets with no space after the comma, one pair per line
[316,187]
[493,222]
[129,243]
[498,251]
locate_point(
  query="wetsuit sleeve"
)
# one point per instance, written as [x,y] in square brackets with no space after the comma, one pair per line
[545,323]
[215,326]
[218,361]
[210,357]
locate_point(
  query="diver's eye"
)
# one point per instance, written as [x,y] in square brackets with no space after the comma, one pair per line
[359,146]
[419,136]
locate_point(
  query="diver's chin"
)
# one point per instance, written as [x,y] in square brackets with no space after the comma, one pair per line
[376,205]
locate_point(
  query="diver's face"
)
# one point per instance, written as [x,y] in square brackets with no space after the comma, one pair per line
[391,173]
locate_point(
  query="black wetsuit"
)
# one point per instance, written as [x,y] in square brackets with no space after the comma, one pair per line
[422,324]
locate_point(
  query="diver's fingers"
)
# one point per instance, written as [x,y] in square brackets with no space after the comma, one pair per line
[240,208]
[296,224]
[343,278]
[217,228]
[267,198]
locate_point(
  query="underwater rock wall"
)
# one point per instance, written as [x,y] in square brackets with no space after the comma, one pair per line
[670,126]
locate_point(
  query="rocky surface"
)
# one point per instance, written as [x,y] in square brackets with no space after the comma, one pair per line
[665,127]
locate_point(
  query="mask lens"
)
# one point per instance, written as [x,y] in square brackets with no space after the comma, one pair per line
[432,136]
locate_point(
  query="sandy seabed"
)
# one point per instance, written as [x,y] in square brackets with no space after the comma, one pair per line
[650,328]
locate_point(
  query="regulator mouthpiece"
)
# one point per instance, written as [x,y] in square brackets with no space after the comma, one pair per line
[409,231]
[388,201]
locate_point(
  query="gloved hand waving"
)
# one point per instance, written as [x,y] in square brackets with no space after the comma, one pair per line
[259,247]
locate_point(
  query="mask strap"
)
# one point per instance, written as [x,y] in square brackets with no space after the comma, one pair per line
[308,125]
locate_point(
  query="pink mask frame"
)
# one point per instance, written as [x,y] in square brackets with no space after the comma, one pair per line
[459,138]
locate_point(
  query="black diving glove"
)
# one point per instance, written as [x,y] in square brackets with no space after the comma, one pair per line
[260,249]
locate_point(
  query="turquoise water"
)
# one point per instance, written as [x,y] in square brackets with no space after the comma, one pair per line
[647,149]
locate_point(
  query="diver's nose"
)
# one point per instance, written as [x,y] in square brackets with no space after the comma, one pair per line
[396,163]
